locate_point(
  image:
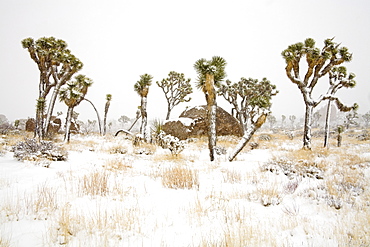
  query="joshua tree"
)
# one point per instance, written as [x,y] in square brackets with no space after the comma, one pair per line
[142,88]
[107,104]
[316,118]
[72,95]
[292,119]
[123,119]
[366,118]
[319,63]
[210,73]
[175,89]
[338,79]
[351,119]
[251,100]
[57,66]
[340,130]
[272,120]
[283,118]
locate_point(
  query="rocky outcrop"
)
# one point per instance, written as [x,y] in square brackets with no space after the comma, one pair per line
[54,126]
[193,122]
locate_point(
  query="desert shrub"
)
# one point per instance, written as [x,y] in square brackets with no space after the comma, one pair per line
[145,148]
[265,137]
[31,149]
[174,144]
[294,168]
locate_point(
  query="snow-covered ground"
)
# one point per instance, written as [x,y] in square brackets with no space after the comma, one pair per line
[108,194]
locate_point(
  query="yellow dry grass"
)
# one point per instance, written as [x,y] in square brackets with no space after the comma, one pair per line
[180,177]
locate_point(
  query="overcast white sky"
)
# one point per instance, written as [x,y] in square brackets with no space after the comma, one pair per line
[118,40]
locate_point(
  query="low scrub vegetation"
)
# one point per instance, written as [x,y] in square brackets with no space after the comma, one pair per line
[273,195]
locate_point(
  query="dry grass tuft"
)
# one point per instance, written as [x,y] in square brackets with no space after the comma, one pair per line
[163,157]
[117,164]
[145,148]
[45,202]
[66,225]
[179,177]
[232,176]
[4,241]
[95,184]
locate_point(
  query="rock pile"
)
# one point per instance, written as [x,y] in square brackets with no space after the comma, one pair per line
[193,122]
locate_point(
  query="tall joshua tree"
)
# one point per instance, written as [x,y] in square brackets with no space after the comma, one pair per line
[319,64]
[142,89]
[72,95]
[210,73]
[338,78]
[106,108]
[175,89]
[57,65]
[251,100]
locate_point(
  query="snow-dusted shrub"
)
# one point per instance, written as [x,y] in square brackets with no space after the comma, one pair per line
[31,149]
[269,195]
[174,144]
[145,148]
[293,168]
[265,137]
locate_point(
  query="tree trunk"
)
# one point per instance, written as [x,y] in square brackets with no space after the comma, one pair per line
[144,118]
[137,118]
[248,133]
[39,123]
[212,136]
[51,108]
[168,112]
[97,114]
[339,140]
[67,133]
[327,125]
[211,114]
[307,127]
[105,117]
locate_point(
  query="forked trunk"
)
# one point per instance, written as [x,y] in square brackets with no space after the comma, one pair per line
[327,125]
[307,127]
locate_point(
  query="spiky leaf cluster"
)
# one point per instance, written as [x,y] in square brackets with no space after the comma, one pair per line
[215,66]
[319,62]
[74,91]
[142,85]
[52,57]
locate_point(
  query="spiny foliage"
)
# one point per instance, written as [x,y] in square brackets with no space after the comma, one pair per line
[320,62]
[51,51]
[215,66]
[74,91]
[142,85]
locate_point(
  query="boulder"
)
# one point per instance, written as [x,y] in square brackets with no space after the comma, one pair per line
[193,122]
[54,126]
